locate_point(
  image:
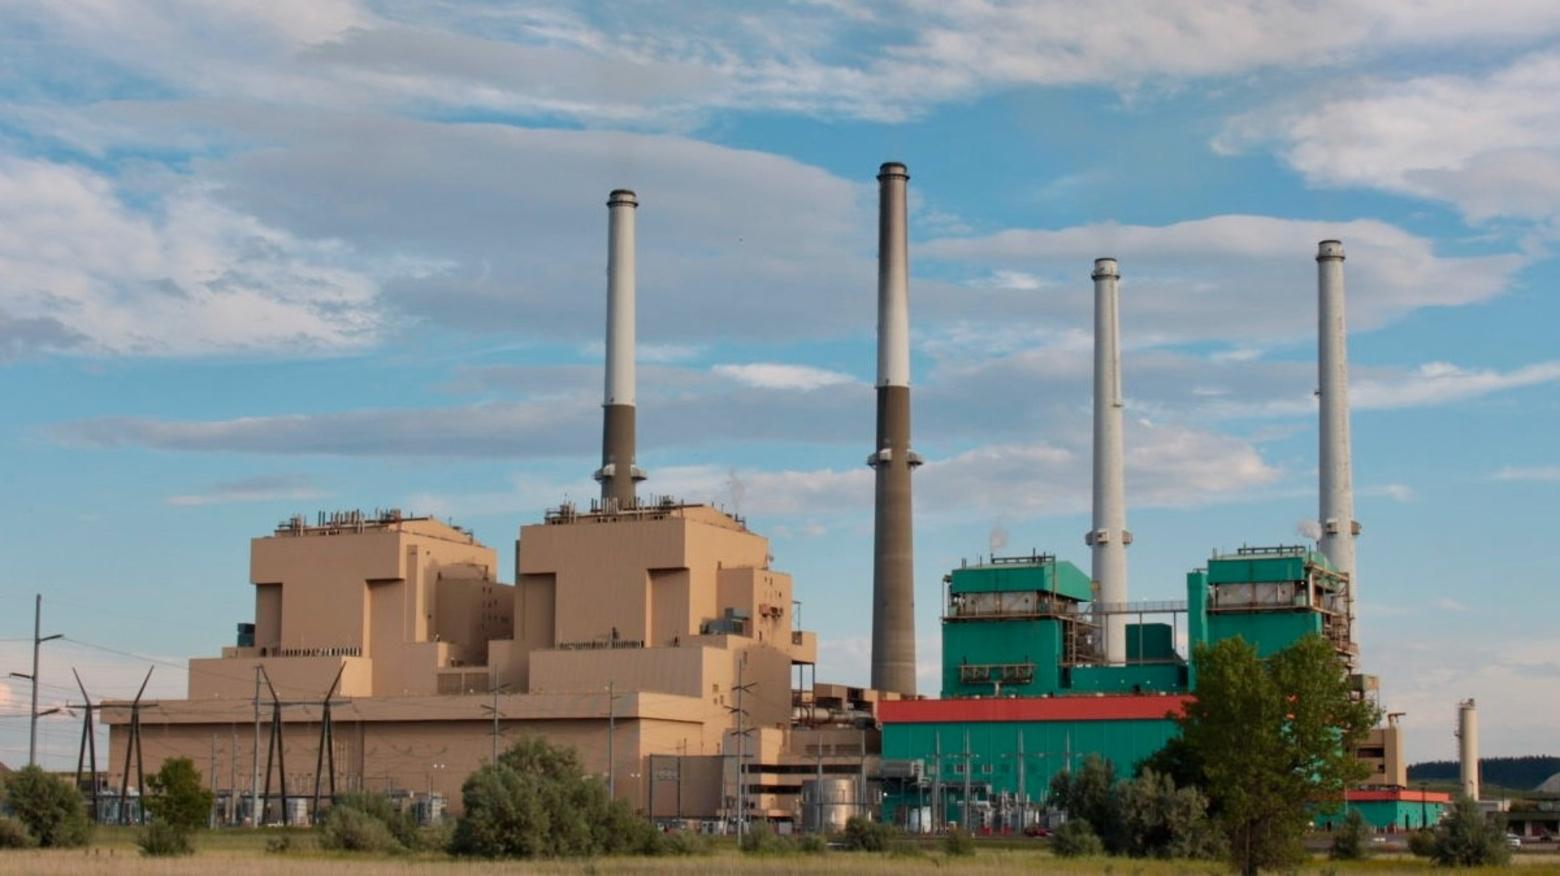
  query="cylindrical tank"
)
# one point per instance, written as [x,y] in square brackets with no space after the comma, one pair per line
[1468,748]
[828,803]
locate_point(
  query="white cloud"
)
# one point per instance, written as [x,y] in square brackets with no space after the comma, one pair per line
[1219,278]
[1483,142]
[262,488]
[1530,474]
[1442,382]
[775,375]
[84,271]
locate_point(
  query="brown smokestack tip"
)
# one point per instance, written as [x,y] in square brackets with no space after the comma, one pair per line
[621,197]
[893,169]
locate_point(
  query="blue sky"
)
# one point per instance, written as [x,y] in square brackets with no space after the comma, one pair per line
[262,259]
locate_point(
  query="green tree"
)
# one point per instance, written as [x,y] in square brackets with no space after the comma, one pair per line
[537,802]
[1089,795]
[1351,841]
[1469,838]
[1273,738]
[178,798]
[1155,819]
[50,806]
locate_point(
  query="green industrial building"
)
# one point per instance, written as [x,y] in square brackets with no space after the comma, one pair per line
[1026,692]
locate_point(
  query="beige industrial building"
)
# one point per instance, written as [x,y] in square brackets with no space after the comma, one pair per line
[640,620]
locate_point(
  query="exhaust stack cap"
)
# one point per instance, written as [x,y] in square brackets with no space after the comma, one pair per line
[1329,249]
[622,198]
[1105,267]
[893,169]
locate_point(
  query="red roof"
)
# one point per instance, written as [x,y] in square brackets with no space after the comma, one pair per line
[1401,795]
[1075,708]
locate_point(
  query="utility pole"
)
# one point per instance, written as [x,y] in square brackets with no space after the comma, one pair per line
[966,781]
[211,818]
[611,735]
[1023,801]
[937,814]
[742,734]
[254,784]
[38,639]
[231,810]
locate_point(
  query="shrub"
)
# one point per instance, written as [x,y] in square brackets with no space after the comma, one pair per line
[762,841]
[178,797]
[161,839]
[14,835]
[686,842]
[279,845]
[537,802]
[1467,838]
[811,844]
[1351,841]
[1076,839]
[1421,843]
[401,824]
[958,844]
[50,807]
[348,829]
[866,835]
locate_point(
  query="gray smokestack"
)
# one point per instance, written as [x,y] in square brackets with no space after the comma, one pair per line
[618,473]
[1468,747]
[893,567]
[1337,469]
[1109,537]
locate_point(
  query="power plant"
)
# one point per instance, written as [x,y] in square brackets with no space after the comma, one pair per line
[655,637]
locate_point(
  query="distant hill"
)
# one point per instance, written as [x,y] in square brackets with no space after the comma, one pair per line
[1520,773]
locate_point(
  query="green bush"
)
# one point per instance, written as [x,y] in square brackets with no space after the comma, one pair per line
[160,839]
[14,835]
[763,841]
[50,807]
[866,835]
[401,824]
[348,829]
[686,842]
[811,844]
[958,844]
[537,802]
[1076,839]
[1351,840]
[1421,843]
[279,845]
[1467,838]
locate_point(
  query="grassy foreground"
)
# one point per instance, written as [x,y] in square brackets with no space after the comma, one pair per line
[242,853]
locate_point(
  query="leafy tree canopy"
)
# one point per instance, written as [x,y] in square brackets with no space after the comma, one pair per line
[178,798]
[1272,738]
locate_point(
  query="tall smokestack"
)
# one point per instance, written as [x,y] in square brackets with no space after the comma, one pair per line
[893,572]
[618,473]
[1337,469]
[1109,537]
[1468,747]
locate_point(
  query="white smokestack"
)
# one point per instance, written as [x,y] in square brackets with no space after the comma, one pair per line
[1337,469]
[618,473]
[1468,747]
[1109,537]
[621,207]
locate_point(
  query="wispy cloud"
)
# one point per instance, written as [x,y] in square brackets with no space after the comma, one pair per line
[775,375]
[262,488]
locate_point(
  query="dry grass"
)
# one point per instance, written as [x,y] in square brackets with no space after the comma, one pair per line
[241,853]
